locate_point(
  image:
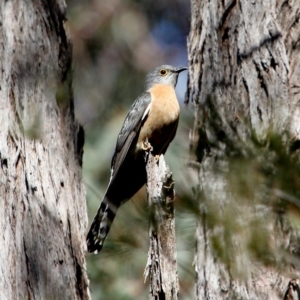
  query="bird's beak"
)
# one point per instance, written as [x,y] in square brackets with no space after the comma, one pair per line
[180,69]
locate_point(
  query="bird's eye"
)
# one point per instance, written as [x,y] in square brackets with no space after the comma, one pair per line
[163,72]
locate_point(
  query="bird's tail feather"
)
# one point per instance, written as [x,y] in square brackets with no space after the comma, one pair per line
[101,225]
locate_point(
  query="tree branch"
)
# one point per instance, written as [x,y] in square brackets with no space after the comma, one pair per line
[161,265]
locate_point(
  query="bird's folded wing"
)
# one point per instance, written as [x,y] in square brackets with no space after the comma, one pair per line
[130,129]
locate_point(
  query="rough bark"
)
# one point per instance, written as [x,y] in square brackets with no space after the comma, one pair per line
[43,210]
[244,83]
[293,291]
[162,265]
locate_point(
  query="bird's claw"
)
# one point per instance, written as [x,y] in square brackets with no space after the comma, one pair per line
[146,146]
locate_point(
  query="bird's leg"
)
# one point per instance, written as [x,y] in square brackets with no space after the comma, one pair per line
[146,146]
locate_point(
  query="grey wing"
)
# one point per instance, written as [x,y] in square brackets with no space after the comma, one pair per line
[130,128]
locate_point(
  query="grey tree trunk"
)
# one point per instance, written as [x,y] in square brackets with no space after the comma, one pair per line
[244,82]
[162,262]
[43,209]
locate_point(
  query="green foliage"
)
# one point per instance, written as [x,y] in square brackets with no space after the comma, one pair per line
[261,188]
[35,129]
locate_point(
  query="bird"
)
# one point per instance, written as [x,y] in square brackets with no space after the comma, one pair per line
[151,122]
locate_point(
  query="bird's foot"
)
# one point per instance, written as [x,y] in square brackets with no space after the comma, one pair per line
[157,156]
[146,146]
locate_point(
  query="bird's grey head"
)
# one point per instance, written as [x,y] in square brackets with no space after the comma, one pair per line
[164,74]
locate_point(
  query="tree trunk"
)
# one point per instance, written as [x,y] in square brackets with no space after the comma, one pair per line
[162,264]
[244,83]
[43,211]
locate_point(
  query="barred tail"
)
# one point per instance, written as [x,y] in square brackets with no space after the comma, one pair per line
[101,225]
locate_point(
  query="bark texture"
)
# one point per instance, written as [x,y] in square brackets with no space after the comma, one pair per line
[162,265]
[243,81]
[43,210]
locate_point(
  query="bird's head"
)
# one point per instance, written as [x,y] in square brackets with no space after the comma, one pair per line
[164,74]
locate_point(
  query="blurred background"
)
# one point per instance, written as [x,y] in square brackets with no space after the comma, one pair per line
[115,43]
